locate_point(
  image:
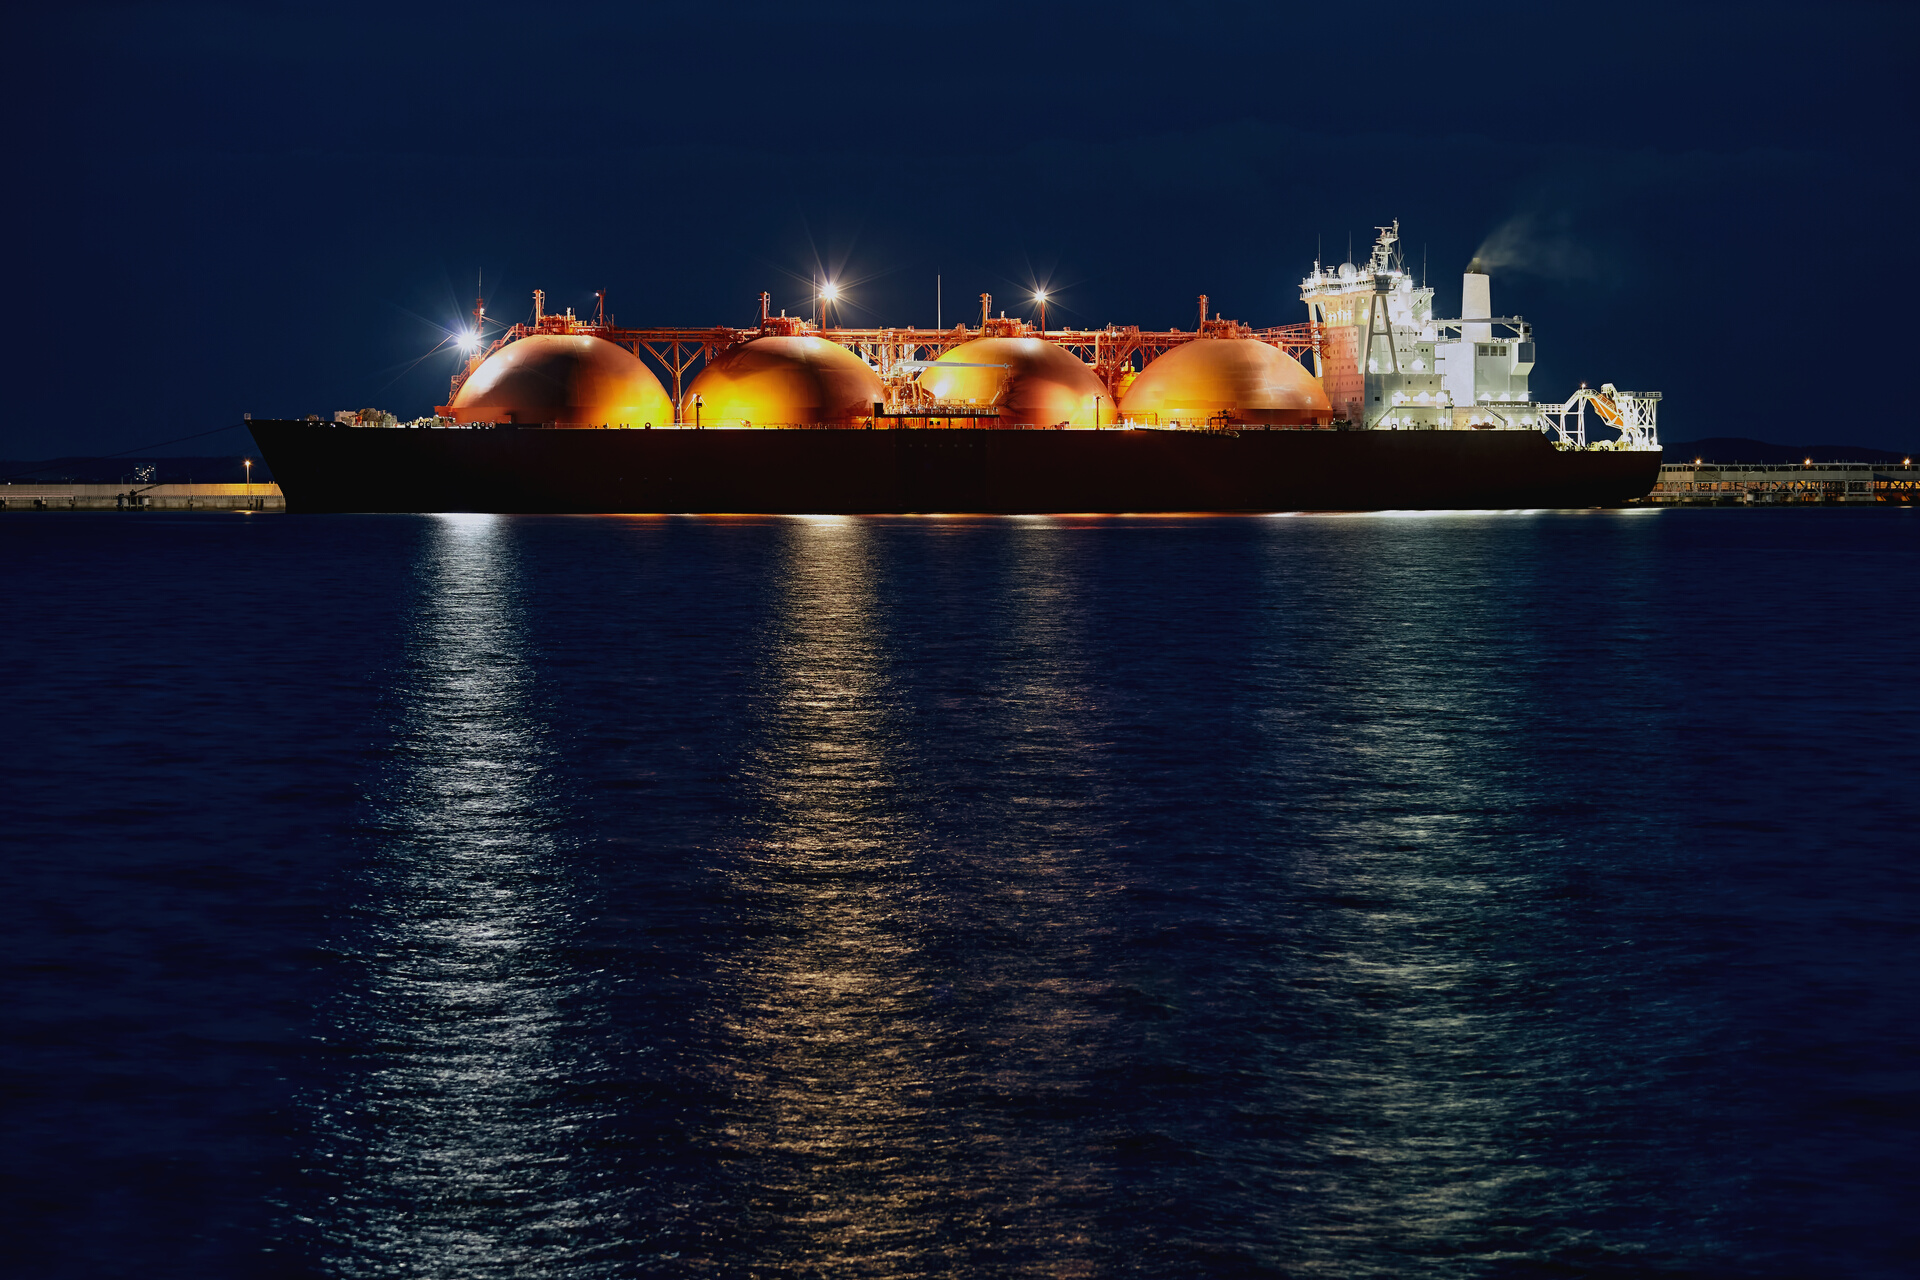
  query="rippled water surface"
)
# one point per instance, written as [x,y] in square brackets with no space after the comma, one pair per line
[1458,896]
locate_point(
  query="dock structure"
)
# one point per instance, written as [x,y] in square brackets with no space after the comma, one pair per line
[141,497]
[1680,484]
[1744,484]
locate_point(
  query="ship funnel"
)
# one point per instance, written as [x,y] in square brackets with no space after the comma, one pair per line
[1476,303]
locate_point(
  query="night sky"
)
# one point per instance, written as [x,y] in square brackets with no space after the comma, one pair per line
[282,209]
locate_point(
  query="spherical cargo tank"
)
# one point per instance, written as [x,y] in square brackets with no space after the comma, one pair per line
[1226,380]
[1044,384]
[779,381]
[572,379]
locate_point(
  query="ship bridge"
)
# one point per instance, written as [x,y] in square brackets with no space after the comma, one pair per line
[1388,363]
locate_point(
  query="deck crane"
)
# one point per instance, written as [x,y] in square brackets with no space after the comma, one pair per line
[1631,413]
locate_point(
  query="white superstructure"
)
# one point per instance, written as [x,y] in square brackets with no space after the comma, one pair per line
[1388,363]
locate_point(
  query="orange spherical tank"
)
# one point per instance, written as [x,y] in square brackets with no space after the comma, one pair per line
[573,379]
[1041,384]
[780,381]
[1226,380]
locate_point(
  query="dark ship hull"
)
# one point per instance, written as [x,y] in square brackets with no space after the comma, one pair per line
[328,467]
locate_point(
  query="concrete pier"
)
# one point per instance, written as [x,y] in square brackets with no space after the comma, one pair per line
[1743,484]
[141,497]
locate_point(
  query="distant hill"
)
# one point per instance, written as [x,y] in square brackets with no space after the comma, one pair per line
[1739,449]
[227,469]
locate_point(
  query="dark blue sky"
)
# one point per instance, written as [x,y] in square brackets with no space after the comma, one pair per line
[281,208]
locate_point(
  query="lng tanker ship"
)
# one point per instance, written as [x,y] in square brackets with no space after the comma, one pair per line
[1400,409]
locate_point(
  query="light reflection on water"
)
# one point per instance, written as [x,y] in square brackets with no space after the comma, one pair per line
[452,1145]
[1026,897]
[1429,1046]
[1414,1143]
[827,995]
[885,1060]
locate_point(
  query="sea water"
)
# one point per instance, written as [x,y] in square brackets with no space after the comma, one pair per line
[1486,894]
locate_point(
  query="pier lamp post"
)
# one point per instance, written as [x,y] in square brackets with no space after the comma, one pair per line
[1040,297]
[829,292]
[248,464]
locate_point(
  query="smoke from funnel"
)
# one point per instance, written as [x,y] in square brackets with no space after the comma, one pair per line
[1525,243]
